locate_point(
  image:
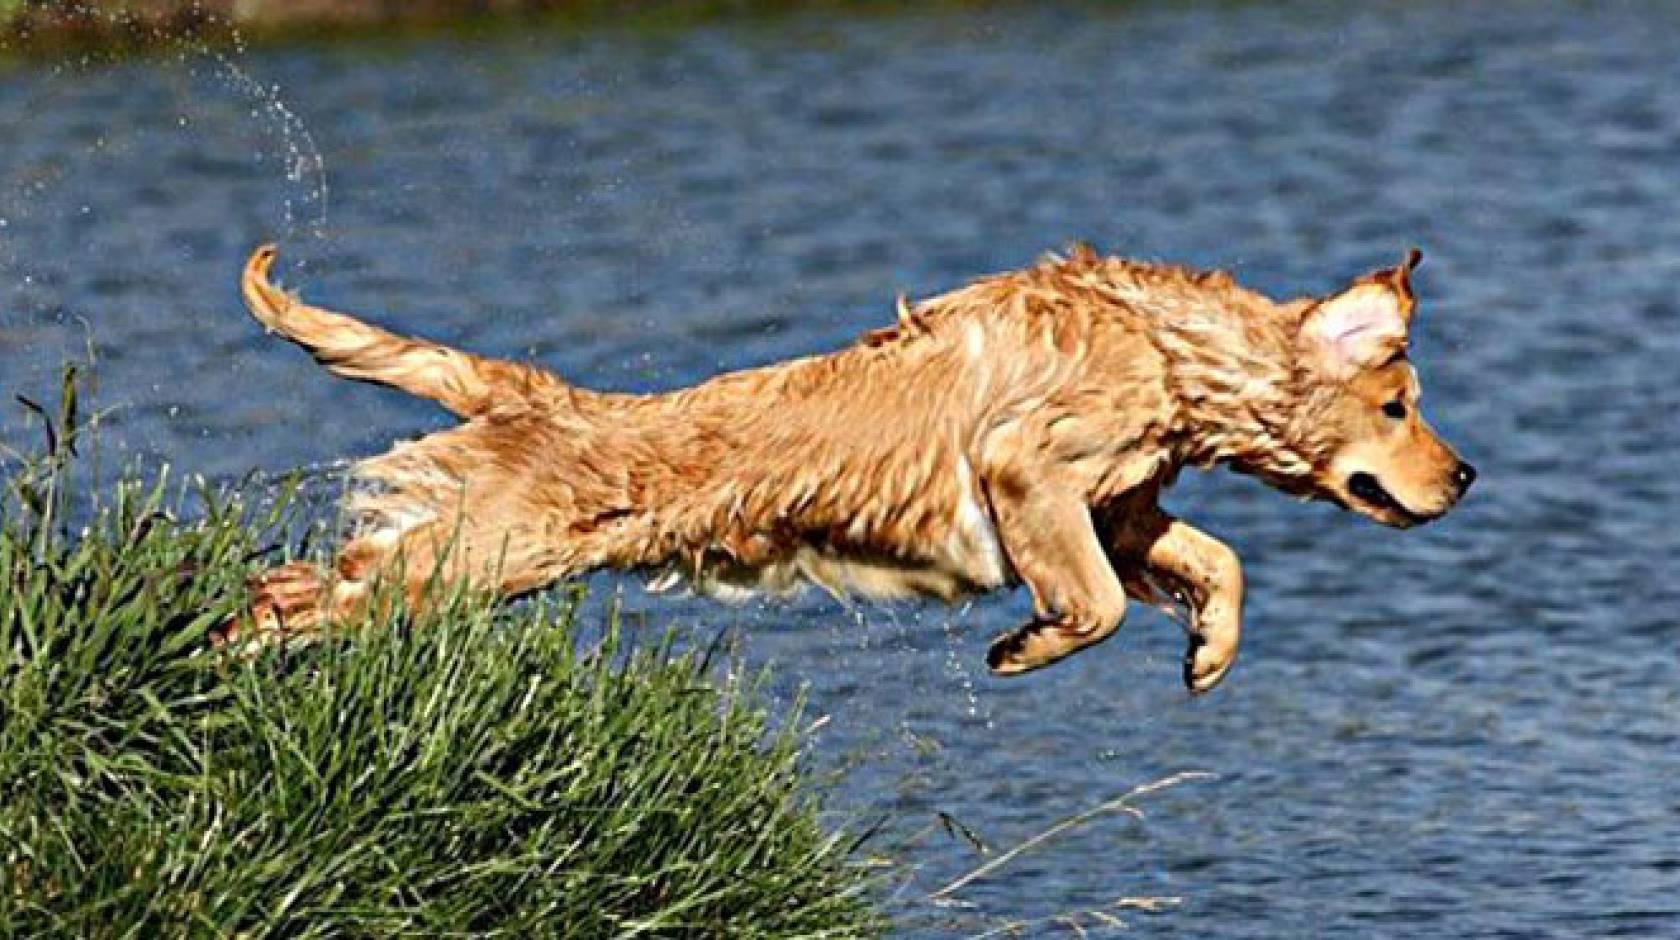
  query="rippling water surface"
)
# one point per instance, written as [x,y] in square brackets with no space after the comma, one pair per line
[1472,729]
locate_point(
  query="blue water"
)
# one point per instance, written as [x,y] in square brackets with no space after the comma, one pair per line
[1472,729]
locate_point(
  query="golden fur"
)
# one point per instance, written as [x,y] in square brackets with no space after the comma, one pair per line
[1018,429]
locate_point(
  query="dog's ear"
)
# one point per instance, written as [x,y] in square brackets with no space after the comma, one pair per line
[1359,328]
[1399,280]
[1364,325]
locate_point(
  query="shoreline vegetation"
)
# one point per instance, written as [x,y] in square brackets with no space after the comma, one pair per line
[47,28]
[475,771]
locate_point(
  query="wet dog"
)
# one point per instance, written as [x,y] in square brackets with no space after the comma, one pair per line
[1017,430]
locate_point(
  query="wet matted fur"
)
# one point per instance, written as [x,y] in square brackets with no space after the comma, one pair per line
[1016,430]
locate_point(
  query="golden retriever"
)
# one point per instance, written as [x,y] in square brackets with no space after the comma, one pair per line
[1016,430]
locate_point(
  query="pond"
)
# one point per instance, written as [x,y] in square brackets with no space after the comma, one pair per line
[1471,729]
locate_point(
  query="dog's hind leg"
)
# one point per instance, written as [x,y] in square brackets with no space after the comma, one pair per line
[420,566]
[469,506]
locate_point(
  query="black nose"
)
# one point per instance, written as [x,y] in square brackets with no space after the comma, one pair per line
[1464,475]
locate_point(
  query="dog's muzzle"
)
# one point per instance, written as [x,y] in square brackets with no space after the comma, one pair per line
[1365,488]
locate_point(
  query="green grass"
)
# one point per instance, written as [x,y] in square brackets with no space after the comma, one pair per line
[479,771]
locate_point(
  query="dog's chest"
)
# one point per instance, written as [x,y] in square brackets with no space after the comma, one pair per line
[973,547]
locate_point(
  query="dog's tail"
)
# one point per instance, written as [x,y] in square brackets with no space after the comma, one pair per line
[466,384]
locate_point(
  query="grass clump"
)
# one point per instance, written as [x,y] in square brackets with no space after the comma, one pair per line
[478,771]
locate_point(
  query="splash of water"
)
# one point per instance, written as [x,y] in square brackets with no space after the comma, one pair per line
[303,157]
[38,191]
[956,664]
[305,203]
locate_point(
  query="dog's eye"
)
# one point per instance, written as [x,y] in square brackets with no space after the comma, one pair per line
[1395,409]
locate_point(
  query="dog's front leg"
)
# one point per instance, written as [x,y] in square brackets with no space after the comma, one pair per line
[1205,570]
[1053,545]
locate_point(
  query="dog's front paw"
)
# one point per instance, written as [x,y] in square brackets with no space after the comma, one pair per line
[1206,663]
[1041,643]
[1008,654]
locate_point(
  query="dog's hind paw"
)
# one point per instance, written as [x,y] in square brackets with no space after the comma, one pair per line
[287,604]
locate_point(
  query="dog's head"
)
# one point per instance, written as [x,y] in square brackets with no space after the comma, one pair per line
[1372,450]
